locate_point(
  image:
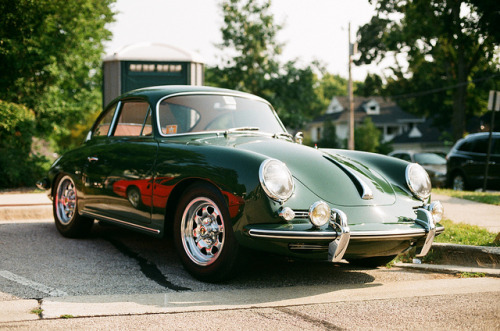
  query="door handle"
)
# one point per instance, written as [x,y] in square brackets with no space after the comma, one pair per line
[93,159]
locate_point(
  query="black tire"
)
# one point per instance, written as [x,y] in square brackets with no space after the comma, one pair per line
[372,262]
[65,208]
[203,235]
[134,197]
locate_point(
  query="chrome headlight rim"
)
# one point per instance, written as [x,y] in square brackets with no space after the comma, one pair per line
[420,191]
[264,180]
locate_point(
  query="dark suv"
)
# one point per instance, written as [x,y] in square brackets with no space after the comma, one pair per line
[466,162]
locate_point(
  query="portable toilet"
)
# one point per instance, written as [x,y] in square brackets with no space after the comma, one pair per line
[149,64]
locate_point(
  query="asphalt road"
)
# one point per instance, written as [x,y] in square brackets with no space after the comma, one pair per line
[120,279]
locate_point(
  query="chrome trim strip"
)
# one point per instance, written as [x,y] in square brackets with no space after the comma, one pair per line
[355,235]
[367,193]
[110,219]
[387,234]
[302,235]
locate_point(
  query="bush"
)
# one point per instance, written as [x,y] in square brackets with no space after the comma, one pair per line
[18,165]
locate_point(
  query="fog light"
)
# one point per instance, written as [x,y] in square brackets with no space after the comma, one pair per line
[437,210]
[319,213]
[287,214]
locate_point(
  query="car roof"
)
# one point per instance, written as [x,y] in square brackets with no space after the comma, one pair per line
[155,93]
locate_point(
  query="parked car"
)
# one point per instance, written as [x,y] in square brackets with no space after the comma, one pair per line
[466,162]
[433,163]
[228,175]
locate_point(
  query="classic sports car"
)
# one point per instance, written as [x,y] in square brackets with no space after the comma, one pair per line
[219,167]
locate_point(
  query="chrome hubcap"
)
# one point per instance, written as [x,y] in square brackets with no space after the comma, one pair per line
[458,183]
[202,231]
[65,200]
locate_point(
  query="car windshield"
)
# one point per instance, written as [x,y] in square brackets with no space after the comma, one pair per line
[429,158]
[210,112]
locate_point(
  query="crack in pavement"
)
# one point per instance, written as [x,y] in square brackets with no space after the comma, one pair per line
[309,319]
[149,269]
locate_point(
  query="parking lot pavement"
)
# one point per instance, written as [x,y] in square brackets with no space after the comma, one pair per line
[470,212]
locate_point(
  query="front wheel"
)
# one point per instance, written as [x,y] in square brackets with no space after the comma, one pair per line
[203,235]
[65,208]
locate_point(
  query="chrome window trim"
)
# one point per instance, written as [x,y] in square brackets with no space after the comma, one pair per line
[115,118]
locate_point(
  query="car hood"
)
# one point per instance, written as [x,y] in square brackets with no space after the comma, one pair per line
[332,177]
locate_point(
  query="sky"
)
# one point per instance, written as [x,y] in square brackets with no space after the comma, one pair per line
[312,29]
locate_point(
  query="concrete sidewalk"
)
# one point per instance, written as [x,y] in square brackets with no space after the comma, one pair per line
[470,212]
[25,206]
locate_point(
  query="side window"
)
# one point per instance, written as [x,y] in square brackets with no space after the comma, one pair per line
[480,146]
[134,120]
[406,157]
[495,146]
[103,125]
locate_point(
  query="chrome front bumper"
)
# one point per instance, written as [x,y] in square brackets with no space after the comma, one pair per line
[340,234]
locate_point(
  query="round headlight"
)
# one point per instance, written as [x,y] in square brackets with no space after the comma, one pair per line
[418,181]
[319,213]
[276,180]
[437,211]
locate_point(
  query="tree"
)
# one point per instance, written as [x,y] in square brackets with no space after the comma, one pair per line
[250,63]
[372,86]
[50,59]
[450,48]
[329,137]
[367,136]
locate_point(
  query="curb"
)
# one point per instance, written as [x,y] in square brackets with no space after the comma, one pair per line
[451,269]
[469,256]
[15,213]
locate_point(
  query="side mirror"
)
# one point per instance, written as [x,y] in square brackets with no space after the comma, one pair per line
[88,137]
[299,137]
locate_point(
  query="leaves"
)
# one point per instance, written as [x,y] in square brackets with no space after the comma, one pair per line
[250,63]
[448,44]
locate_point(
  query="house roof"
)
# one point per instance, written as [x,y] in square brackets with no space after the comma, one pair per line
[389,112]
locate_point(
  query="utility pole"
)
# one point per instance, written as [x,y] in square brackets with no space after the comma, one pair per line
[350,144]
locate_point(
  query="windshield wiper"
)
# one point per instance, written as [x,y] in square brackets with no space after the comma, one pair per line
[283,134]
[243,128]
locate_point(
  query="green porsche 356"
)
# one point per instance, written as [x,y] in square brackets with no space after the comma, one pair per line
[219,167]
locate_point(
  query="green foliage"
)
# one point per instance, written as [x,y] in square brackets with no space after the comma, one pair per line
[50,59]
[329,138]
[452,52]
[18,166]
[250,63]
[372,86]
[367,136]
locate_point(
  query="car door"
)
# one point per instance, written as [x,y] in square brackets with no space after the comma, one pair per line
[120,167]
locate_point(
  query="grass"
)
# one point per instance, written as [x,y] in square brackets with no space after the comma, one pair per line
[492,198]
[466,234]
[455,233]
